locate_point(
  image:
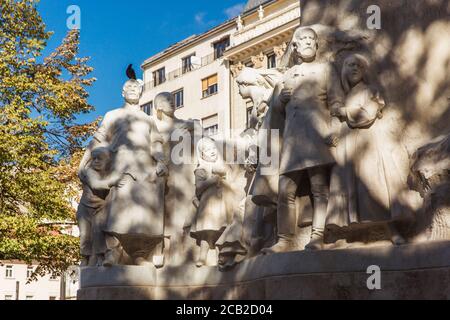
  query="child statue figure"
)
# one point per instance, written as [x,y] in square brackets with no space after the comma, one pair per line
[97,182]
[214,214]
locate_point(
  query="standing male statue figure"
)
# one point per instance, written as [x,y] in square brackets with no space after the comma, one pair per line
[180,184]
[309,96]
[135,206]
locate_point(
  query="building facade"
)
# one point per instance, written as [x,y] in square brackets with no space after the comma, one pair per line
[200,70]
[14,276]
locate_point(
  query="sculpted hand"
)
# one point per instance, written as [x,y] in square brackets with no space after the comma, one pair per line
[220,172]
[151,178]
[119,182]
[285,95]
[82,175]
[341,114]
[250,165]
[332,141]
[217,180]
[196,203]
[185,128]
[161,169]
[186,229]
[262,109]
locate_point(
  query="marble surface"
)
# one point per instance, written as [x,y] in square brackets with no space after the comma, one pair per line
[388,258]
[421,268]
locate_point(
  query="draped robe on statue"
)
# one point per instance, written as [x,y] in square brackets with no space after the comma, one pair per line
[135,208]
[366,185]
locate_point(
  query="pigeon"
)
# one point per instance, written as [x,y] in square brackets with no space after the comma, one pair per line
[131,74]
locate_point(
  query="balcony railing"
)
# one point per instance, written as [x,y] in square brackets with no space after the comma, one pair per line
[206,60]
[252,31]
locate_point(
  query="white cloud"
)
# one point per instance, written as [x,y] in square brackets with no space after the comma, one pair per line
[235,10]
[199,18]
[202,21]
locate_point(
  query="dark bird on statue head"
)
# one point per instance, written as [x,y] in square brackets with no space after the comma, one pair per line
[131,74]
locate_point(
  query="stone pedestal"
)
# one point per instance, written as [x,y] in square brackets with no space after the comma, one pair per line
[420,271]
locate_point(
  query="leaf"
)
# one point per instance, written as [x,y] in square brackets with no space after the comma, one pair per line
[40,142]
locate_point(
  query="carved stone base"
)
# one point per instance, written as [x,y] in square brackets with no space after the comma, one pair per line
[419,271]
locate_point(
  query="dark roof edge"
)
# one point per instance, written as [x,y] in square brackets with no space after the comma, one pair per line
[250,11]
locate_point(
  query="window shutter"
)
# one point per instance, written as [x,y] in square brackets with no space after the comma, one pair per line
[204,84]
[212,80]
[210,121]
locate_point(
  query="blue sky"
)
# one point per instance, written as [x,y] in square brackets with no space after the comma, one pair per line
[115,33]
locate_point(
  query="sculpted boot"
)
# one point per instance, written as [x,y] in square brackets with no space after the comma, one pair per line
[255,246]
[143,262]
[99,260]
[84,261]
[112,257]
[113,252]
[396,237]
[316,242]
[204,248]
[285,243]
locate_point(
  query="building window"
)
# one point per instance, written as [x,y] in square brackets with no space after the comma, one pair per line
[29,298]
[52,298]
[209,86]
[159,76]
[8,297]
[187,64]
[211,125]
[148,108]
[271,61]
[9,272]
[29,271]
[220,47]
[212,130]
[178,98]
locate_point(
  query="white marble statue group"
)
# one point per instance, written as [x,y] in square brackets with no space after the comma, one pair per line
[337,170]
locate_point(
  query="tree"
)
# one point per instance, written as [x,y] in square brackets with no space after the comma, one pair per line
[40,142]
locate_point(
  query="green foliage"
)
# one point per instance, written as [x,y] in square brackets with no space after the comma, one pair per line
[40,143]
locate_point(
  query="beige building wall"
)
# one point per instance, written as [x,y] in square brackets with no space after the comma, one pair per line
[195,106]
[254,35]
[255,42]
[46,288]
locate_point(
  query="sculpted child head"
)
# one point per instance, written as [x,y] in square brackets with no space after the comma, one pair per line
[354,71]
[164,103]
[101,159]
[132,91]
[207,150]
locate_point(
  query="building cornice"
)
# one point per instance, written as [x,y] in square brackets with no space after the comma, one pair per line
[276,37]
[272,31]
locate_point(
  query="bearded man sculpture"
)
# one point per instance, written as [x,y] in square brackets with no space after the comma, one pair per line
[309,95]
